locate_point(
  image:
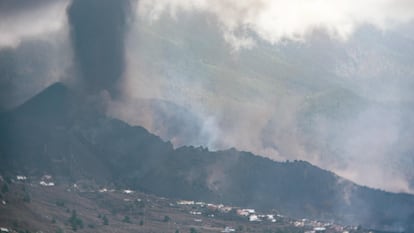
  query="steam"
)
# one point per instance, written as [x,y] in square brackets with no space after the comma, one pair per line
[275,21]
[321,83]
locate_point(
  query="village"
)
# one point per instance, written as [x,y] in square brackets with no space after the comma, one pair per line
[254,216]
[194,215]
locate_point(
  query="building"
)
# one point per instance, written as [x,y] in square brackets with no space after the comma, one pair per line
[22,178]
[254,218]
[43,183]
[319,229]
[228,229]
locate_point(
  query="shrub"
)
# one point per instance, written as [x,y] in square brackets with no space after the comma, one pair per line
[105,220]
[60,203]
[5,188]
[166,218]
[74,221]
[126,219]
[26,198]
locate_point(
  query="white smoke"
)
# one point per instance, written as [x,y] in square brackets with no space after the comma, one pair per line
[322,81]
[278,20]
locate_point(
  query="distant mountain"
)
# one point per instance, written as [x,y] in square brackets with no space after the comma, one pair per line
[58,132]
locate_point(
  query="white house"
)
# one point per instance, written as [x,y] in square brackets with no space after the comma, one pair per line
[21,178]
[242,213]
[319,229]
[254,218]
[228,229]
[43,183]
[250,211]
[127,191]
[185,202]
[104,190]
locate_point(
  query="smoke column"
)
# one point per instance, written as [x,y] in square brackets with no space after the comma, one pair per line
[98,29]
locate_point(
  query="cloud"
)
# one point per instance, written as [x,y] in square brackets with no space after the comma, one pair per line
[278,20]
[20,20]
[34,48]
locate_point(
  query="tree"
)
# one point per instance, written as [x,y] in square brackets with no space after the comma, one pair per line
[141,222]
[105,220]
[166,218]
[26,198]
[75,222]
[240,228]
[60,203]
[4,188]
[193,230]
[126,219]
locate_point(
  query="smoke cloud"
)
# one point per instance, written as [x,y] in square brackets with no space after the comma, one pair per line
[324,83]
[98,31]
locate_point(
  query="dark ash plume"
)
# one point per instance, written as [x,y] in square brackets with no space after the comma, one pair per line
[98,29]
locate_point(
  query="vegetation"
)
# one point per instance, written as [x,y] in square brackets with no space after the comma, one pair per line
[5,188]
[126,219]
[166,218]
[75,221]
[8,179]
[26,197]
[105,220]
[140,204]
[24,231]
[60,203]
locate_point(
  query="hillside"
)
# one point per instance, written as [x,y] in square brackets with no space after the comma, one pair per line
[59,133]
[29,206]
